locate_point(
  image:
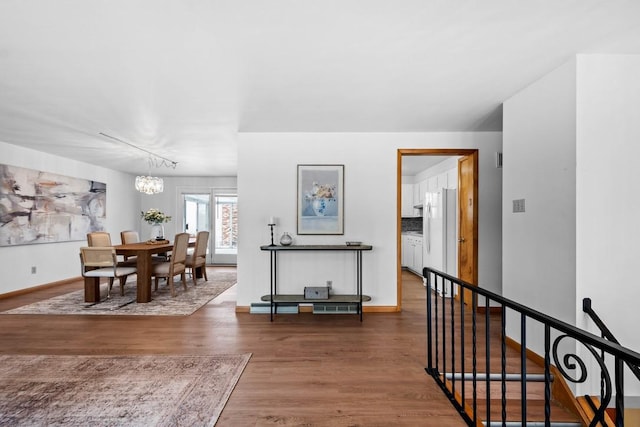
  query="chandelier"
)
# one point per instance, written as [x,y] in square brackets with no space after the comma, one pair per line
[148,184]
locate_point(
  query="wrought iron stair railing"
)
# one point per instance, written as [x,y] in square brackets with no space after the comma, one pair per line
[495,379]
[608,335]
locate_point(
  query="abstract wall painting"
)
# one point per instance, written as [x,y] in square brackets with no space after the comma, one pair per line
[42,207]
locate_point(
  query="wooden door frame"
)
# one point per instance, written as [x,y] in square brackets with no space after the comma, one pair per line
[432,152]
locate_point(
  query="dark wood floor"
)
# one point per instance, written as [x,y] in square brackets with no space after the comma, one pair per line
[306,370]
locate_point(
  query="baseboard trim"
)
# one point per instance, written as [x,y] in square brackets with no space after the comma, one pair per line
[381,309]
[39,287]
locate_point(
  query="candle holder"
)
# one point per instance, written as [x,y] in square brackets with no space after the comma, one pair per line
[271,226]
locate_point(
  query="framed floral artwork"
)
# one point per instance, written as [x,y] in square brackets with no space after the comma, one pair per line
[320,199]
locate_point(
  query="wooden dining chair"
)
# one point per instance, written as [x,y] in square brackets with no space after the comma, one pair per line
[198,258]
[101,261]
[175,266]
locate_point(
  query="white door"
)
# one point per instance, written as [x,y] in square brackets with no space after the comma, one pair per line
[225,232]
[216,211]
[196,215]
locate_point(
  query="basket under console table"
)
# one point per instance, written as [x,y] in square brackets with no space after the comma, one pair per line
[274,298]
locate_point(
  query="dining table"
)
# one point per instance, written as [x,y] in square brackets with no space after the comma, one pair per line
[143,251]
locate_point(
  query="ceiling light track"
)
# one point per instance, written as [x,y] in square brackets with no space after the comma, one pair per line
[146,183]
[154,159]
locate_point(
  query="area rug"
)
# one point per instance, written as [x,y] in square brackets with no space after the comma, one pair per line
[116,391]
[162,303]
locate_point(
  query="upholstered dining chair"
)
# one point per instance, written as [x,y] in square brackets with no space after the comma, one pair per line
[175,266]
[103,239]
[198,258]
[126,237]
[101,261]
[99,238]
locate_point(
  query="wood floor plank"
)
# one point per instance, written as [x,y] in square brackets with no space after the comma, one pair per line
[311,370]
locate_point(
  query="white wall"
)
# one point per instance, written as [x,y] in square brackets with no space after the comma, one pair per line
[608,178]
[539,166]
[608,128]
[59,261]
[267,185]
[570,149]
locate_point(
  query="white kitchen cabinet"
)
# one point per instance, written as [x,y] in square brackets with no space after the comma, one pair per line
[418,256]
[407,251]
[418,192]
[452,178]
[433,184]
[406,206]
[412,253]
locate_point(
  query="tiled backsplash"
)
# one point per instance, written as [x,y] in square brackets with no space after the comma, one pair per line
[412,224]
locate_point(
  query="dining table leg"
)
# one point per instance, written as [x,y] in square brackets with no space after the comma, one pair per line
[144,266]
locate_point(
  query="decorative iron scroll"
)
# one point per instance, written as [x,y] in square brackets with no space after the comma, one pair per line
[571,361]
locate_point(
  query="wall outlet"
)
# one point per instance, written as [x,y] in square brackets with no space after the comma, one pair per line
[329,284]
[33,269]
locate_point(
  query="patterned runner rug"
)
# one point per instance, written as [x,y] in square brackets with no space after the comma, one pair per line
[116,391]
[162,303]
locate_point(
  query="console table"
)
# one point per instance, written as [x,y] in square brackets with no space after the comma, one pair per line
[274,298]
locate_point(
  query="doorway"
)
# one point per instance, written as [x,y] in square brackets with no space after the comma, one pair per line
[225,234]
[467,212]
[216,211]
[196,214]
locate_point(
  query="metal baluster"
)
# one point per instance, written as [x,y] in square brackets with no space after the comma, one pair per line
[503,367]
[619,374]
[359,280]
[474,357]
[444,334]
[453,337]
[436,317]
[547,375]
[429,325]
[487,328]
[523,365]
[462,346]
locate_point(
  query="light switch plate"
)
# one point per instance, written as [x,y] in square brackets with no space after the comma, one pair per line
[518,205]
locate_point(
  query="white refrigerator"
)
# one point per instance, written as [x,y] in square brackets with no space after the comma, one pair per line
[440,233]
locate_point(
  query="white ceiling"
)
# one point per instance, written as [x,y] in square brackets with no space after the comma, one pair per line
[412,165]
[182,78]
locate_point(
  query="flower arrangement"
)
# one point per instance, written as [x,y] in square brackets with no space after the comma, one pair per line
[154,216]
[321,191]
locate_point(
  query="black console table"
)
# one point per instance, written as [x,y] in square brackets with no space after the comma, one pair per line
[274,298]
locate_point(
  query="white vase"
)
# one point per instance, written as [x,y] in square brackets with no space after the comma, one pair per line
[324,206]
[157,232]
